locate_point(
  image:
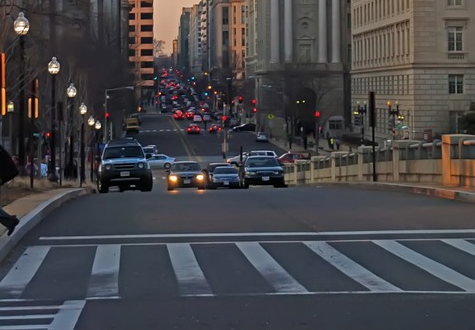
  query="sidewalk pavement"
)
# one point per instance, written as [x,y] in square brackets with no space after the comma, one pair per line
[464,194]
[32,209]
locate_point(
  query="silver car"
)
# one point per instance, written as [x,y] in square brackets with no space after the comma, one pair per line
[160,161]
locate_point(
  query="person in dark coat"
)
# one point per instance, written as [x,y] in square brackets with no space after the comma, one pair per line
[8,170]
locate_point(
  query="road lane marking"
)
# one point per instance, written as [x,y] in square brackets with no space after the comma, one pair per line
[104,280]
[182,135]
[264,234]
[270,269]
[432,267]
[189,275]
[68,315]
[461,244]
[350,268]
[23,271]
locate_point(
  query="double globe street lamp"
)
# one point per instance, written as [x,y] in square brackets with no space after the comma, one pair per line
[21,27]
[53,69]
[82,175]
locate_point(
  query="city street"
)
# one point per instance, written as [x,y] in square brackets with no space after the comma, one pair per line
[308,257]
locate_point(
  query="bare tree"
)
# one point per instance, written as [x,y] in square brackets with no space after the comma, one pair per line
[158,47]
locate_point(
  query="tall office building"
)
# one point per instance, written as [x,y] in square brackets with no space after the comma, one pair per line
[141,46]
[194,41]
[183,43]
[415,55]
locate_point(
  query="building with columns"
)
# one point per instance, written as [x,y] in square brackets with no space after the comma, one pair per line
[417,55]
[299,61]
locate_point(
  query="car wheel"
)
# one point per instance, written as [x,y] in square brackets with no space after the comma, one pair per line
[245,184]
[167,165]
[101,187]
[148,186]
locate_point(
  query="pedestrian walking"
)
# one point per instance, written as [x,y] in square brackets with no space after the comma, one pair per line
[8,170]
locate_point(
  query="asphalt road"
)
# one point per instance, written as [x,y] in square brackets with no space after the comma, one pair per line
[322,257]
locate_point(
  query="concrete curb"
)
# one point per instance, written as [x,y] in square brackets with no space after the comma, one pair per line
[30,220]
[451,194]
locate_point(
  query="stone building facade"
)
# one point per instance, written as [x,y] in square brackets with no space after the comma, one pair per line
[416,54]
[300,62]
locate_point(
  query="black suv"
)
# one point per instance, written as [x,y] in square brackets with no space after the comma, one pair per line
[262,170]
[123,164]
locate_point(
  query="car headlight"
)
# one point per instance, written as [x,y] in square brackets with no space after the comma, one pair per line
[200,177]
[277,172]
[141,165]
[251,173]
[173,178]
[107,167]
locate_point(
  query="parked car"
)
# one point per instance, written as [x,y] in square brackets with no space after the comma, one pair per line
[160,161]
[250,127]
[185,174]
[193,129]
[291,157]
[261,137]
[224,176]
[262,170]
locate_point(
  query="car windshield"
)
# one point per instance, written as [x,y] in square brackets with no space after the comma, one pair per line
[262,162]
[184,167]
[225,170]
[123,152]
[148,150]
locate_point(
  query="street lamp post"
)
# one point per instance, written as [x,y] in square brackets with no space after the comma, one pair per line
[82,175]
[21,27]
[98,127]
[53,69]
[71,92]
[10,110]
[105,137]
[91,122]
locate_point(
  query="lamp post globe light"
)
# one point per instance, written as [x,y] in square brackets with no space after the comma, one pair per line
[71,92]
[82,175]
[53,69]
[21,27]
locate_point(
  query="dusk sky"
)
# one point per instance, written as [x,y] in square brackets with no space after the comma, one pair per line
[167,19]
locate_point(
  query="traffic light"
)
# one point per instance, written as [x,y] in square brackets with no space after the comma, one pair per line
[253,102]
[224,118]
[47,134]
[317,114]
[358,118]
[254,110]
[240,99]
[106,115]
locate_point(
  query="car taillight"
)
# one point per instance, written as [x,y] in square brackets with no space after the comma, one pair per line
[188,129]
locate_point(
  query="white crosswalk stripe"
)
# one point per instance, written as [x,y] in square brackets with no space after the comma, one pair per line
[351,268]
[104,281]
[441,271]
[269,268]
[266,260]
[23,316]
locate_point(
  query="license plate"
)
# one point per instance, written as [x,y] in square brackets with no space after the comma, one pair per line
[125,173]
[226,183]
[186,181]
[265,178]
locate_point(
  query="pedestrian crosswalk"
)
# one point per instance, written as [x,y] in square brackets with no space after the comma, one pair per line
[162,130]
[207,269]
[23,315]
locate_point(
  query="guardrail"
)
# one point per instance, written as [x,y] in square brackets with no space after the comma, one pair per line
[450,161]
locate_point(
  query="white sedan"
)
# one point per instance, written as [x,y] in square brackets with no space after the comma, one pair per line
[161,161]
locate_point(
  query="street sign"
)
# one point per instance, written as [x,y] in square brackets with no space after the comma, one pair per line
[270,116]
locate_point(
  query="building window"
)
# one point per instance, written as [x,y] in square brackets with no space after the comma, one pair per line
[451,3]
[455,84]
[454,39]
[305,53]
[225,15]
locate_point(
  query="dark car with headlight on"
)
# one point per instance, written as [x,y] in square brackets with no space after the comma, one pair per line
[124,164]
[262,170]
[185,174]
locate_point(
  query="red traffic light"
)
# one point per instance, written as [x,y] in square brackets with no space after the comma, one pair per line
[254,110]
[224,118]
[253,101]
[317,114]
[240,99]
[48,134]
[107,115]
